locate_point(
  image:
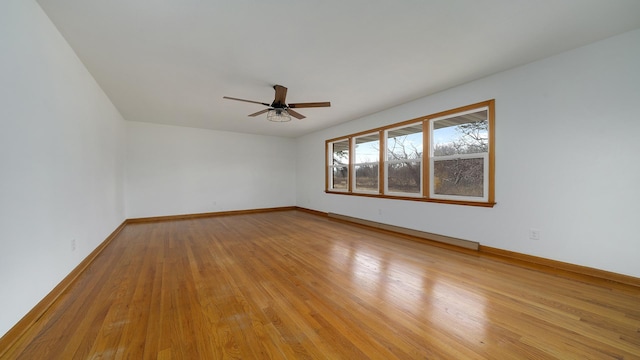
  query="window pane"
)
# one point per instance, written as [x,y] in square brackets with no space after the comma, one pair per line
[367,156]
[462,177]
[405,143]
[340,175]
[404,177]
[461,134]
[340,152]
[367,177]
[367,149]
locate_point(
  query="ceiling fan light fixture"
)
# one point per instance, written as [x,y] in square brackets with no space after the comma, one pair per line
[278,115]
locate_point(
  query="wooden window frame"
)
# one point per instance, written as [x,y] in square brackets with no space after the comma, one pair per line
[426,161]
[329,166]
[353,164]
[421,192]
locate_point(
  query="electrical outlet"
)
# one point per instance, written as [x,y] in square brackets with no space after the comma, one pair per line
[73,244]
[379,211]
[534,234]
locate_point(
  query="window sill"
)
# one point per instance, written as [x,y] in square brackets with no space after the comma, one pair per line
[414,198]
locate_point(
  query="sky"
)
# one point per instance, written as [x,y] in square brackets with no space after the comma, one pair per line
[367,152]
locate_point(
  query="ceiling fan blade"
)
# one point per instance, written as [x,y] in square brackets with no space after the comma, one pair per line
[249,101]
[259,112]
[310,104]
[295,114]
[281,95]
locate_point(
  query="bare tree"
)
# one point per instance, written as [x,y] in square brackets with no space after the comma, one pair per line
[462,176]
[404,174]
[340,172]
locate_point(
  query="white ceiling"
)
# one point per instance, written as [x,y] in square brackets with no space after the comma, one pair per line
[171,62]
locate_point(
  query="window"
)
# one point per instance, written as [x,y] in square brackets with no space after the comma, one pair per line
[366,158]
[404,160]
[446,157]
[339,168]
[460,156]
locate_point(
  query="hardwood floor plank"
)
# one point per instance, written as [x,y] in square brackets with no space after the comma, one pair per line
[294,285]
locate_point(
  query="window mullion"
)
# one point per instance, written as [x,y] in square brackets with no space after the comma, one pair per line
[350,177]
[382,171]
[426,156]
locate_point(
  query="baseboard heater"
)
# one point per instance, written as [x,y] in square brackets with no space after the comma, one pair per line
[467,244]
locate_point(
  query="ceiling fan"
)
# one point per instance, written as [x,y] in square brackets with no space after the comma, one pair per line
[279,110]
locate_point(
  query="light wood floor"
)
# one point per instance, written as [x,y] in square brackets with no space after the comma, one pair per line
[293,285]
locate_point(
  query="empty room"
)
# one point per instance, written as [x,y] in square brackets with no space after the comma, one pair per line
[319,180]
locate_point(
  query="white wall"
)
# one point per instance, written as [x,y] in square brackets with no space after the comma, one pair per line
[177,170]
[567,150]
[61,160]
